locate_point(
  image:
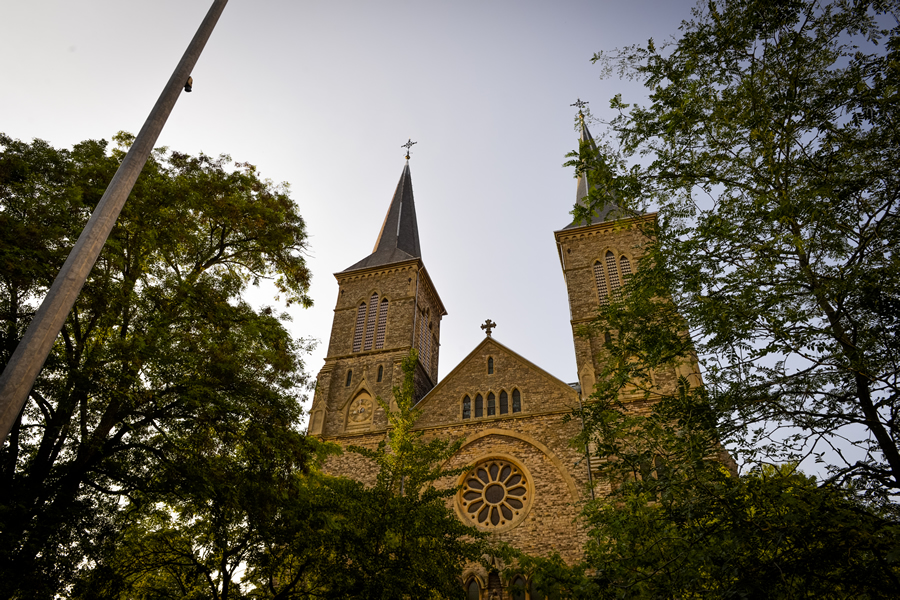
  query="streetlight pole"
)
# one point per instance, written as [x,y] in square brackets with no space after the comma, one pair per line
[28,359]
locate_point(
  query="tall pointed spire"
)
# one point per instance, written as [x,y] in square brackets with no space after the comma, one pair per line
[398,239]
[610,211]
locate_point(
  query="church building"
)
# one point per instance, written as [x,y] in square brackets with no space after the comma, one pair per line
[528,482]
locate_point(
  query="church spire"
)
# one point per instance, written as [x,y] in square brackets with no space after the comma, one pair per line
[586,142]
[398,239]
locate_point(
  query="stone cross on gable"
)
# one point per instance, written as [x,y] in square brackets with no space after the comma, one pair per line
[488,325]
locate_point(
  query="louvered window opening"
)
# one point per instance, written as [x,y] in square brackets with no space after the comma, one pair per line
[517,401]
[360,325]
[504,402]
[615,284]
[467,408]
[382,324]
[370,322]
[625,268]
[492,407]
[600,278]
[479,406]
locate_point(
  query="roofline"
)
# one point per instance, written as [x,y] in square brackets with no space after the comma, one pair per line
[486,340]
[561,234]
[414,262]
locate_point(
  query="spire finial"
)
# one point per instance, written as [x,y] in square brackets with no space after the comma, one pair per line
[408,145]
[488,325]
[580,104]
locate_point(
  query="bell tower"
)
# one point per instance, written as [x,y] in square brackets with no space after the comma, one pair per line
[386,305]
[597,258]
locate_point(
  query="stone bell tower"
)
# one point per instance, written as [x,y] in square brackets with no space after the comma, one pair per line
[597,258]
[386,305]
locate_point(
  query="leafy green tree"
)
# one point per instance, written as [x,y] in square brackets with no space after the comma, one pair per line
[769,149]
[398,538]
[161,365]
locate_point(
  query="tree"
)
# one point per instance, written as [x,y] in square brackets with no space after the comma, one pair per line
[768,150]
[770,147]
[160,347]
[254,522]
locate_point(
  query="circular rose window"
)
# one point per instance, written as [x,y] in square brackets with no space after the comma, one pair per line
[495,494]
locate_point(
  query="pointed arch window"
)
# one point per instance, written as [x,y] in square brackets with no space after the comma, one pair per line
[380,373]
[517,401]
[479,406]
[504,402]
[625,268]
[370,321]
[349,378]
[490,365]
[382,324]
[473,590]
[492,405]
[600,279]
[467,408]
[615,283]
[360,326]
[518,588]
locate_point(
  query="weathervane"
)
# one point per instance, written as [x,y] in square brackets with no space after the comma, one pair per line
[408,145]
[488,325]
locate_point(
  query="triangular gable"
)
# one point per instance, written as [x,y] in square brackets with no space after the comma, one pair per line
[470,376]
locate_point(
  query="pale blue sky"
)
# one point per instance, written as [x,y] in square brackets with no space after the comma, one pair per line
[322,95]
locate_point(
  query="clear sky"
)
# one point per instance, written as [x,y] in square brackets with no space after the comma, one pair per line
[321,94]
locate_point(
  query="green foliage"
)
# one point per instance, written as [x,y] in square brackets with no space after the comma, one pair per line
[769,151]
[162,371]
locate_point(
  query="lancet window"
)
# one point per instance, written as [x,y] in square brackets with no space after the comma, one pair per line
[490,365]
[382,324]
[504,402]
[492,406]
[611,275]
[370,322]
[360,327]
[517,401]
[479,406]
[467,408]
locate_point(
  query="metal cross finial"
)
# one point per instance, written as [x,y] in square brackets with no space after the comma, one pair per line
[580,104]
[408,145]
[488,325]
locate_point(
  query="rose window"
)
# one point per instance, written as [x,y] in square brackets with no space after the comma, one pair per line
[494,494]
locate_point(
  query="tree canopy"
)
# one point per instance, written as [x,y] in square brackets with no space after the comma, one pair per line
[162,359]
[768,151]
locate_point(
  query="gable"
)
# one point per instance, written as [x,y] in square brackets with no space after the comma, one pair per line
[539,391]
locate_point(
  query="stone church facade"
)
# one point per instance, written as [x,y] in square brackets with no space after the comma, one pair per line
[528,482]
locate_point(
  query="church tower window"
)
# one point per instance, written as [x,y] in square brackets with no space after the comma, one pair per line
[370,322]
[615,284]
[479,406]
[625,268]
[349,378]
[380,373]
[490,365]
[360,325]
[600,278]
[492,408]
[504,402]
[467,408]
[517,401]
[382,324]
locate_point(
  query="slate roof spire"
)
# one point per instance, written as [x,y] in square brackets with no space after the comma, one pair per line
[610,211]
[398,239]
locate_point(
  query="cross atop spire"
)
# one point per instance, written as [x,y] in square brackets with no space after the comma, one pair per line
[409,144]
[580,104]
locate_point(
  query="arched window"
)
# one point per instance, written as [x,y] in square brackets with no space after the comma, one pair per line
[625,268]
[492,409]
[349,378]
[382,324]
[517,591]
[473,590]
[600,279]
[517,401]
[615,284]
[534,593]
[370,321]
[490,365]
[380,373]
[479,406]
[504,402]
[467,408]
[360,326]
